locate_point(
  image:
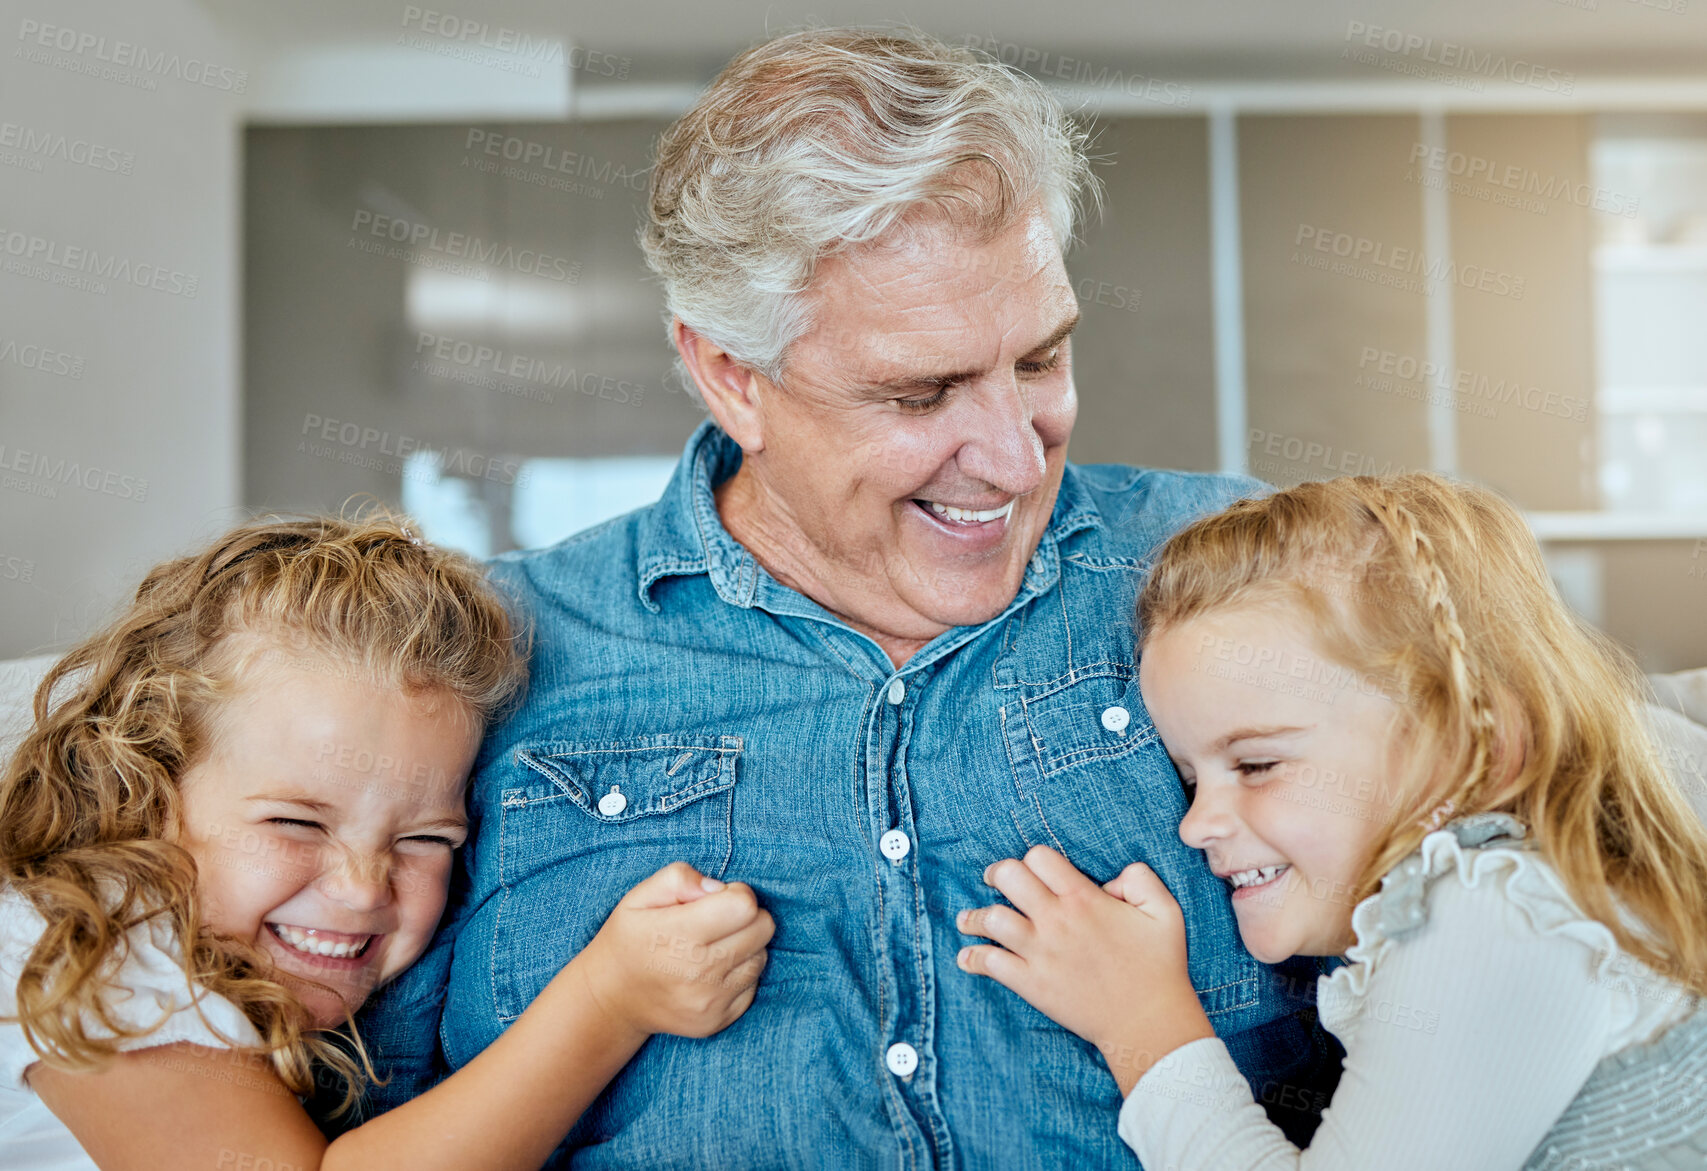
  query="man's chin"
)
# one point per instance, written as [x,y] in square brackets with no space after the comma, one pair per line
[976,602]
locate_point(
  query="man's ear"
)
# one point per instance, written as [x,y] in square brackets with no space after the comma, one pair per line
[732,390]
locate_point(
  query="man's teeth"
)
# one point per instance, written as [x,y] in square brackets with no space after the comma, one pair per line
[1256,877]
[308,941]
[970,514]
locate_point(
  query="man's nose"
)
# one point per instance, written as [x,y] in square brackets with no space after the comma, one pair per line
[1005,450]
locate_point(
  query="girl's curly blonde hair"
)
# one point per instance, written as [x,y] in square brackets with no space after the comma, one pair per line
[1436,591]
[89,800]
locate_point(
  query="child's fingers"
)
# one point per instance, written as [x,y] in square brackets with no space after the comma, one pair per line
[751,939]
[1058,874]
[1003,924]
[1141,887]
[1023,888]
[1001,965]
[718,915]
[745,975]
[676,883]
[738,1006]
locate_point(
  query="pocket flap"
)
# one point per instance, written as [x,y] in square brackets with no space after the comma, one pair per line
[618,781]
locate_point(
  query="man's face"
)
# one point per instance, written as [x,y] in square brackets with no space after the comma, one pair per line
[912,452]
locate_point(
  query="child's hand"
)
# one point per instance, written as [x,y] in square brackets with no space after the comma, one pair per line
[1106,962]
[677,958]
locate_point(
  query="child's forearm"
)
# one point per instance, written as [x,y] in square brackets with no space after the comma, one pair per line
[511,1105]
[1131,1048]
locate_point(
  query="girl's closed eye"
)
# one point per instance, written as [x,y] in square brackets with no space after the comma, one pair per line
[433,840]
[1254,768]
[295,821]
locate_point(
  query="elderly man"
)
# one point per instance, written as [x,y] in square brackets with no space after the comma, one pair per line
[874,637]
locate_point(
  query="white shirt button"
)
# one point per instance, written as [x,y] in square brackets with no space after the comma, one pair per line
[613,802]
[1116,718]
[902,1059]
[894,845]
[897,691]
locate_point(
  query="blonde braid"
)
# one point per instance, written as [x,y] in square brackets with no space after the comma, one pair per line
[1469,694]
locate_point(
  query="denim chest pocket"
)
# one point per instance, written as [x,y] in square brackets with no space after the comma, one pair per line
[592,821]
[1094,714]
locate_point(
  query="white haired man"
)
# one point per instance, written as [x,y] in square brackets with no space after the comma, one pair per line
[872,639]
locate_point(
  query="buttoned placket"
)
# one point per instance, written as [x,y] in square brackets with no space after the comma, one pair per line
[904,1051]
[907,1043]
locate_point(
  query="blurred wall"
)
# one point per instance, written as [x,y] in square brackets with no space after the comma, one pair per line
[1143,356]
[118,341]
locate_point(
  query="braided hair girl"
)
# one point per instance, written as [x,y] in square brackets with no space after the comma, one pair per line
[1401,750]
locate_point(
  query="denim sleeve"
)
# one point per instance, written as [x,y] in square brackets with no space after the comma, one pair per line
[400,1026]
[1292,1063]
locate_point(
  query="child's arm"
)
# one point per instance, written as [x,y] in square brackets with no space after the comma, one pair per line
[182,1107]
[1484,1020]
[1106,962]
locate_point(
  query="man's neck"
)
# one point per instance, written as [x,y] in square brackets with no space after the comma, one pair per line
[780,547]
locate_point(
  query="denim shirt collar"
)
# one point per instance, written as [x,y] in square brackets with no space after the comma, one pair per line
[683,535]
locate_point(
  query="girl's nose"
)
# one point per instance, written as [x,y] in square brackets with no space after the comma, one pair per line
[1208,820]
[361,882]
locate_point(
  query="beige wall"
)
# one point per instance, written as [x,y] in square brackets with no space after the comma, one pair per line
[1146,376]
[1538,448]
[1311,315]
[121,449]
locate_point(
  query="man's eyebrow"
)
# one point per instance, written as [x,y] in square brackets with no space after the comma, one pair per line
[1060,334]
[1232,738]
[914,383]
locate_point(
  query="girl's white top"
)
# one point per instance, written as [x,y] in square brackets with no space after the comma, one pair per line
[1466,1038]
[148,989]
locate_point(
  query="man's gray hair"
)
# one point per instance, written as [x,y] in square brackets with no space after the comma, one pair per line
[816,141]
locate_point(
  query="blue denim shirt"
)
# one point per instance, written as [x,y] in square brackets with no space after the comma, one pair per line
[758,737]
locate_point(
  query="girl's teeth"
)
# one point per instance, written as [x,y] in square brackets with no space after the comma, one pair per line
[967,514]
[1257,876]
[307,940]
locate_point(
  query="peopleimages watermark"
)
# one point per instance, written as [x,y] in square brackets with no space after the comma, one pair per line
[1446,61]
[39,474]
[75,266]
[423,243]
[547,165]
[1678,7]
[21,569]
[1386,371]
[381,450]
[1279,667]
[1045,63]
[120,61]
[1404,268]
[484,366]
[1299,452]
[43,358]
[500,47]
[88,269]
[29,146]
[1513,181]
